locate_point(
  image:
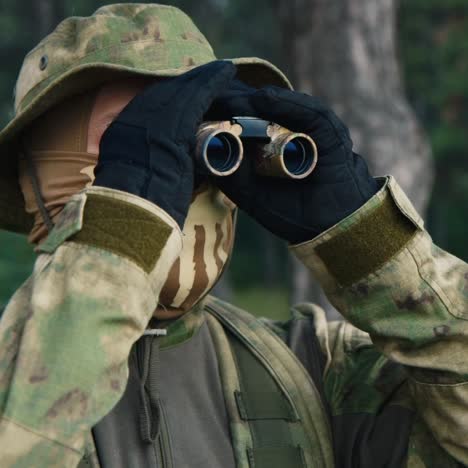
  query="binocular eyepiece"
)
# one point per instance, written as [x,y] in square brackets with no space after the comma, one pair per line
[277,151]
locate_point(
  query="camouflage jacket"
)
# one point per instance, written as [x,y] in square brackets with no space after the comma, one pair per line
[67,332]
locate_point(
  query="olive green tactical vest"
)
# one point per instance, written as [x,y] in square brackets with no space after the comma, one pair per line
[276,415]
[276,411]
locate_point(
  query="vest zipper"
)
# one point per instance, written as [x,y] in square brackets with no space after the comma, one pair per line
[153,420]
[163,444]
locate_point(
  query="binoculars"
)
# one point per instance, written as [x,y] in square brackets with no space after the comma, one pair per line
[277,151]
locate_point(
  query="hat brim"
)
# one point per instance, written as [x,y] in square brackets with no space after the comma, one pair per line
[252,70]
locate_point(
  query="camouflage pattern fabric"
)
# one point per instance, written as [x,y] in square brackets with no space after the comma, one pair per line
[415,310]
[411,312]
[361,381]
[66,334]
[131,35]
[208,241]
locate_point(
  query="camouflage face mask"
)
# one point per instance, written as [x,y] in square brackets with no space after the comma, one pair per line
[207,245]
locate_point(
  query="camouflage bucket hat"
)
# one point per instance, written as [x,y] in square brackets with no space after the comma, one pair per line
[83,52]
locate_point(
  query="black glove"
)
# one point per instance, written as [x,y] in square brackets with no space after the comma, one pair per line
[146,150]
[296,210]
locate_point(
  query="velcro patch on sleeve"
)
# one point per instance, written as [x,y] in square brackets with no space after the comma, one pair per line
[124,229]
[366,246]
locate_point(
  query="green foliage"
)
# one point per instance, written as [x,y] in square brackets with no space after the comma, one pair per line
[16,263]
[434,52]
[264,302]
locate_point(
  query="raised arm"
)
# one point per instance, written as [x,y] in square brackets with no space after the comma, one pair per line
[66,334]
[383,273]
[367,246]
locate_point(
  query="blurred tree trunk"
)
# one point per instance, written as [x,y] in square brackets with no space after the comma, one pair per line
[46,15]
[345,52]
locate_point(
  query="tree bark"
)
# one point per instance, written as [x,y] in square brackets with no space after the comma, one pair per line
[47,14]
[345,53]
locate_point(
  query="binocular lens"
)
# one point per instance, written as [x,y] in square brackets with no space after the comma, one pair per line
[297,159]
[222,152]
[275,150]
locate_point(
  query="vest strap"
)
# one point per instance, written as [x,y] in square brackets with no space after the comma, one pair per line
[261,397]
[276,457]
[292,433]
[271,416]
[262,405]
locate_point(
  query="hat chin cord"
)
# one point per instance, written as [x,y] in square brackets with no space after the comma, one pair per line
[32,173]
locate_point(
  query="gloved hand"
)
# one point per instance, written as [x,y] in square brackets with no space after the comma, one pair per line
[146,150]
[296,210]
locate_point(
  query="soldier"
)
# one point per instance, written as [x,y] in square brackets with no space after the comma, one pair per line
[113,355]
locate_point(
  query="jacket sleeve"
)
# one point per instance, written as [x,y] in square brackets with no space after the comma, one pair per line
[380,269]
[66,334]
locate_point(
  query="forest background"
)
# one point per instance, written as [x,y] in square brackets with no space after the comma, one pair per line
[395,71]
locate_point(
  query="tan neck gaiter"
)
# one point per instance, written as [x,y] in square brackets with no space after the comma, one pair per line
[57,144]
